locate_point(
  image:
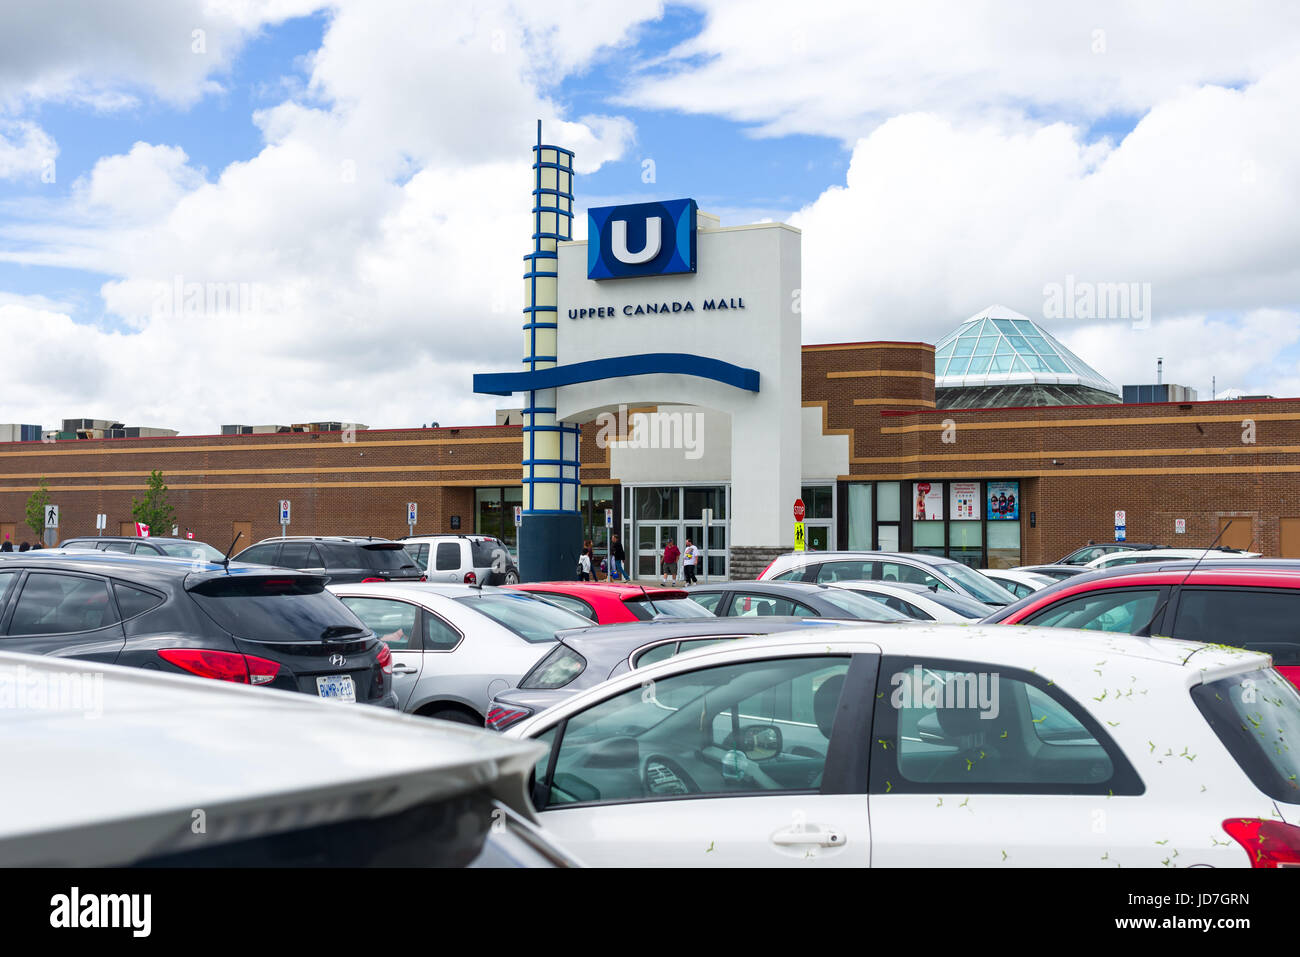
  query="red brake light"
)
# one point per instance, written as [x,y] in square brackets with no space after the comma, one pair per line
[424,578]
[498,718]
[365,580]
[470,578]
[222,665]
[385,658]
[1269,843]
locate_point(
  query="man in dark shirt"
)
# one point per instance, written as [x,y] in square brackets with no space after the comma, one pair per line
[618,571]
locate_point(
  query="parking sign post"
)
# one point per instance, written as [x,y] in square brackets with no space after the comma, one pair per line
[412,510]
[284,518]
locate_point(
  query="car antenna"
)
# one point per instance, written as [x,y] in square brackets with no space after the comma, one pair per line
[1144,631]
[225,562]
[649,599]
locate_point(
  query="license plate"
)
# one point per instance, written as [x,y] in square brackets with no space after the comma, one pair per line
[337,688]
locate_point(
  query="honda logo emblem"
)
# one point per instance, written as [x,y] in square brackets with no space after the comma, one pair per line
[338,661]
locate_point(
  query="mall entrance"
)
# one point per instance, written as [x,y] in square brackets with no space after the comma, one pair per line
[654,514]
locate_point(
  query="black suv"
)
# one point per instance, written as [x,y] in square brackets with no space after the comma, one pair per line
[130,545]
[343,559]
[241,623]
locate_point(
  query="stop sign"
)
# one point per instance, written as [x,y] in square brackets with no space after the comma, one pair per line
[798,510]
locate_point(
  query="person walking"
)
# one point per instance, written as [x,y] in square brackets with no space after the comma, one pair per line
[24,547]
[690,558]
[669,568]
[584,566]
[8,546]
[617,572]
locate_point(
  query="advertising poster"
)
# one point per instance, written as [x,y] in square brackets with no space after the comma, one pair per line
[927,498]
[963,505]
[1004,501]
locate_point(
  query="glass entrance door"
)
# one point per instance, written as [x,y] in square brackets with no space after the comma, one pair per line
[818,536]
[651,540]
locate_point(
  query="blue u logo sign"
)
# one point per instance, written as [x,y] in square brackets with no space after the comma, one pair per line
[643,239]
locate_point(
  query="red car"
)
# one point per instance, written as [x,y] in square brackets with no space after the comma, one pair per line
[1257,608]
[607,603]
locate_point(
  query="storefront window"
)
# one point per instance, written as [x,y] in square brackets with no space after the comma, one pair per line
[487,511]
[887,502]
[860,516]
[1004,544]
[657,503]
[818,501]
[965,543]
[927,538]
[700,498]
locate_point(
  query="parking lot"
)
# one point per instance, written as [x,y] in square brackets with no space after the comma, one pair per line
[845,709]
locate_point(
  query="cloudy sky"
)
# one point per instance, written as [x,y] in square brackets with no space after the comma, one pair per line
[356,174]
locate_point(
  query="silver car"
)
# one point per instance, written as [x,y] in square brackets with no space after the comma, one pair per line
[456,646]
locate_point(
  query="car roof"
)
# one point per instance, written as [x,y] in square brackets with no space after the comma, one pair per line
[615,590]
[129,566]
[783,589]
[617,641]
[417,590]
[131,538]
[833,556]
[346,539]
[149,752]
[1017,646]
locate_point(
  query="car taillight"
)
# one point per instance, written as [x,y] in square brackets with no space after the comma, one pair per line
[222,665]
[424,578]
[499,718]
[367,580]
[470,578]
[1269,843]
[385,658]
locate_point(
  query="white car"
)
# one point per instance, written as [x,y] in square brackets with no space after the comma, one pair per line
[929,745]
[124,766]
[1019,583]
[1143,556]
[456,646]
[918,602]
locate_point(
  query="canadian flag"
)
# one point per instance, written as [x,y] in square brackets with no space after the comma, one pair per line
[142,529]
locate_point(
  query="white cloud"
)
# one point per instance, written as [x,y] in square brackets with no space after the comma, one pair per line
[363,265]
[938,218]
[839,69]
[25,149]
[98,53]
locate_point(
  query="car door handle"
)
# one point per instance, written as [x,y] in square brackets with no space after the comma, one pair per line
[405,670]
[809,834]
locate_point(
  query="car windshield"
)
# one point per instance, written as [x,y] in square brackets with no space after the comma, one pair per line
[979,586]
[531,619]
[646,608]
[861,607]
[199,550]
[1257,717]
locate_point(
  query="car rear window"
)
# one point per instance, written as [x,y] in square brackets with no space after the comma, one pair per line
[387,557]
[555,670]
[1257,717]
[197,550]
[646,609]
[485,554]
[531,619]
[269,607]
[1256,620]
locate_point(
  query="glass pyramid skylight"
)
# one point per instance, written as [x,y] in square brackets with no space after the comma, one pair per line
[999,346]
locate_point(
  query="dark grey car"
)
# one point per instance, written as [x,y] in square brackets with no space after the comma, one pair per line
[343,559]
[152,545]
[273,628]
[587,656]
[801,599]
